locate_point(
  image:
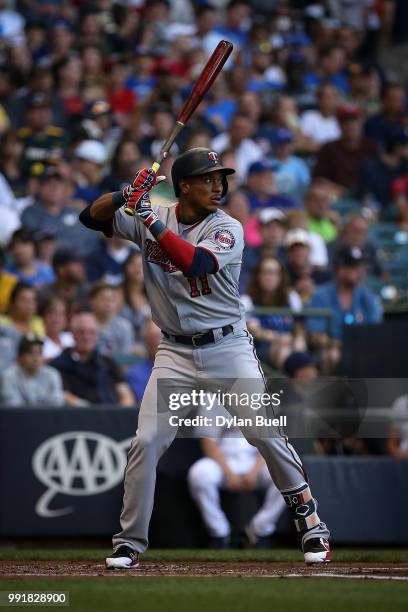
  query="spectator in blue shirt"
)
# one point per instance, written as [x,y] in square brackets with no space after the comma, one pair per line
[138,375]
[292,175]
[261,188]
[380,126]
[23,263]
[331,69]
[350,302]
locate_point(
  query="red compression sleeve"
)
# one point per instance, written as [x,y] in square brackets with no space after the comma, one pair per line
[180,252]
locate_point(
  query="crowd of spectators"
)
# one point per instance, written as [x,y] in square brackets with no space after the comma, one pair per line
[311,110]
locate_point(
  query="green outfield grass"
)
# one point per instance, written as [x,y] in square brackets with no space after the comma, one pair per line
[386,555]
[222,594]
[216,594]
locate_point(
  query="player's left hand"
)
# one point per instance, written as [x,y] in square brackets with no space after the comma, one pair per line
[144,180]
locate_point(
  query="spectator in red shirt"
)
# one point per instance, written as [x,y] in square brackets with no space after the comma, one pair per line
[340,161]
[399,190]
[121,98]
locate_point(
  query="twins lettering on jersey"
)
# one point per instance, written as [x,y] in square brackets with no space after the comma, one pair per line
[224,239]
[155,254]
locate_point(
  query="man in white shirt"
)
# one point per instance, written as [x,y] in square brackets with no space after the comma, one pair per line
[321,125]
[239,138]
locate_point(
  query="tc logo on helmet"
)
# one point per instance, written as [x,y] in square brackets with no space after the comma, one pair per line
[213,156]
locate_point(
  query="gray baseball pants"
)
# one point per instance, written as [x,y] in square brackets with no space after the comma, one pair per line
[232,358]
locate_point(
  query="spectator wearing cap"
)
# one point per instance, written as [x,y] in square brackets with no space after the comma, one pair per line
[340,161]
[378,173]
[350,302]
[320,125]
[21,313]
[303,277]
[275,335]
[89,377]
[262,190]
[100,124]
[318,249]
[321,220]
[42,141]
[365,84]
[23,263]
[28,382]
[239,136]
[56,335]
[354,233]
[90,157]
[264,73]
[292,174]
[62,40]
[379,127]
[301,366]
[51,214]
[70,281]
[272,230]
[116,335]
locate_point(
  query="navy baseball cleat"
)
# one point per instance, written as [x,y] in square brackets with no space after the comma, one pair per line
[123,558]
[316,550]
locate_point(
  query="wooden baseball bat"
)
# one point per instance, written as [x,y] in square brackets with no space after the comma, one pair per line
[207,77]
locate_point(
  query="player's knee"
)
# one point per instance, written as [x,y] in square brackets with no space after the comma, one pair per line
[202,473]
[151,443]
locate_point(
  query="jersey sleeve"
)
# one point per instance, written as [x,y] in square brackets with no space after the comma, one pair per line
[127,227]
[225,242]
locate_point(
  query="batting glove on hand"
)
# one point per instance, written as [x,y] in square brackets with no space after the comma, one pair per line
[142,206]
[144,180]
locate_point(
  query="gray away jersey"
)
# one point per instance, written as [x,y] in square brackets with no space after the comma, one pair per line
[188,306]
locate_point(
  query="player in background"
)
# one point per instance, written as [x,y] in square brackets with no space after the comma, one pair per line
[192,254]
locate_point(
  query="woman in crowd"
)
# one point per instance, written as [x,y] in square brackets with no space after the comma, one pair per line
[135,305]
[57,338]
[276,336]
[22,311]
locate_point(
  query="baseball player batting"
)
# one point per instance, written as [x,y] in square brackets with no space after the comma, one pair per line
[192,254]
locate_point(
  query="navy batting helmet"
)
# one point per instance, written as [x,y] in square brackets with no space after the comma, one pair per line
[195,162]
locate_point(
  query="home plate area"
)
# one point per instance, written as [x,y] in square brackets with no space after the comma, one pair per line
[377,571]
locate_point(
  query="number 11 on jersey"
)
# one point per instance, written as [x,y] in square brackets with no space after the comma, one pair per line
[205,287]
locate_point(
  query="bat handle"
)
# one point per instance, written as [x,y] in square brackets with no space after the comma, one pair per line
[128,209]
[162,155]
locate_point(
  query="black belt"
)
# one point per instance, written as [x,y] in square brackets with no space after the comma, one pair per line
[200,339]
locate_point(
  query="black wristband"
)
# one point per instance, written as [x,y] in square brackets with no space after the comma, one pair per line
[117,199]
